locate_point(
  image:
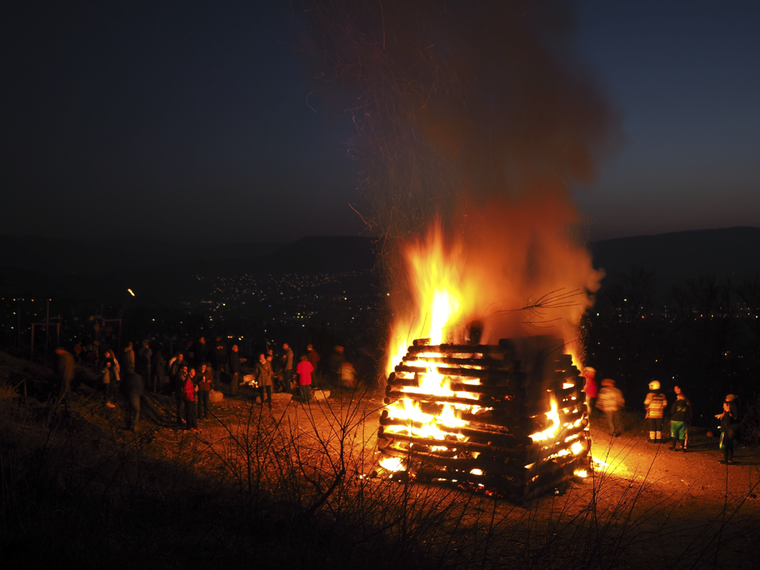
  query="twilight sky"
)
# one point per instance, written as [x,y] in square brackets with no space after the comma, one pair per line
[191,121]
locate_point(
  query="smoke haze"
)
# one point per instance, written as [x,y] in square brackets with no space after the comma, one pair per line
[476,116]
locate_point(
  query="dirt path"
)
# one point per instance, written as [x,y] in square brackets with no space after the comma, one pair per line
[651,506]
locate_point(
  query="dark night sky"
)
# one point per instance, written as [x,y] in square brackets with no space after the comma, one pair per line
[191,121]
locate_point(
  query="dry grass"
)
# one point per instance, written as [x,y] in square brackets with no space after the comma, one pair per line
[289,489]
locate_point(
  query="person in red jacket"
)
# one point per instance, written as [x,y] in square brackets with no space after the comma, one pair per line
[591,388]
[189,396]
[304,371]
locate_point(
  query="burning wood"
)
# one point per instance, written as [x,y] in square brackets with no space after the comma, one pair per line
[475,413]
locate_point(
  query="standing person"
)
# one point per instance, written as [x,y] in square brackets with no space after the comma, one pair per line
[133,388]
[655,404]
[236,370]
[179,380]
[313,357]
[335,364]
[201,351]
[611,402]
[729,428]
[65,367]
[128,359]
[176,363]
[304,371]
[145,357]
[110,357]
[678,391]
[190,352]
[219,362]
[590,388]
[159,371]
[205,380]
[347,375]
[188,394]
[106,376]
[264,378]
[680,417]
[287,367]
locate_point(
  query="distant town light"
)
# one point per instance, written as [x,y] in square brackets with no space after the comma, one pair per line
[131,292]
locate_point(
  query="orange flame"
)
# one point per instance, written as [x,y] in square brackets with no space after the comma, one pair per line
[496,271]
[492,275]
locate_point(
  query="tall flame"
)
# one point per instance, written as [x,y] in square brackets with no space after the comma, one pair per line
[515,270]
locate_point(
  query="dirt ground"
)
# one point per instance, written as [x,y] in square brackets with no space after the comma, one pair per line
[661,508]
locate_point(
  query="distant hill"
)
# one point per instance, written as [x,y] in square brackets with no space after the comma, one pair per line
[108,268]
[33,262]
[307,255]
[675,257]
[96,257]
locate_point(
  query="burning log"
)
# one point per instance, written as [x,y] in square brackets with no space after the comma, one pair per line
[477,414]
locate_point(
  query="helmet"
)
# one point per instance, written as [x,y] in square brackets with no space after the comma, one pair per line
[654,385]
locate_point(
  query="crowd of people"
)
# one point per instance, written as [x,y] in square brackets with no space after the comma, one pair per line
[609,400]
[190,375]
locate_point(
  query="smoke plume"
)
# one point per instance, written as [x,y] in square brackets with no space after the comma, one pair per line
[478,117]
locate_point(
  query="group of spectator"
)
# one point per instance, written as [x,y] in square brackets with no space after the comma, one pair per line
[190,375]
[658,411]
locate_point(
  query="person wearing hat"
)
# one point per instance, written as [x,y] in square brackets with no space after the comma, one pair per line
[655,404]
[729,427]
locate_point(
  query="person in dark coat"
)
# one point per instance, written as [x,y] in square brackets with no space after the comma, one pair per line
[287,367]
[205,380]
[236,369]
[145,357]
[65,367]
[729,428]
[201,350]
[678,391]
[313,357]
[263,375]
[219,362]
[133,387]
[178,380]
[680,418]
[128,359]
[159,371]
[176,362]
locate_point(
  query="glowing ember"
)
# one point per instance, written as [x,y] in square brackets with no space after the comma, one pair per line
[392,464]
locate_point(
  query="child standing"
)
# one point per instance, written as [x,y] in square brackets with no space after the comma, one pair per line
[680,418]
[729,426]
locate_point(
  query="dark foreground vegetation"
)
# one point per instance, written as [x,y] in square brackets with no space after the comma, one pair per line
[289,489]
